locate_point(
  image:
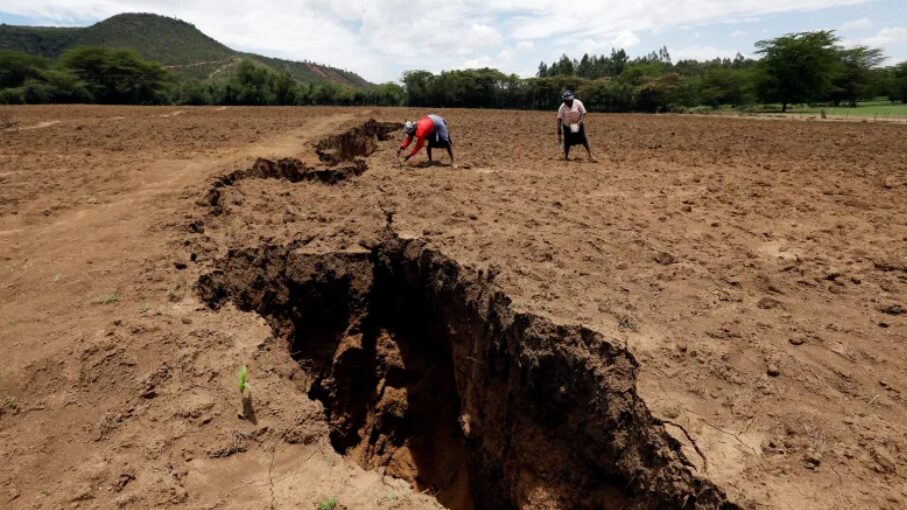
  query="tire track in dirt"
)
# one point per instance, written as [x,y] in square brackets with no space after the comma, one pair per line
[40,125]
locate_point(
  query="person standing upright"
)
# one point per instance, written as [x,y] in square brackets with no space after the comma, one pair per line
[571,125]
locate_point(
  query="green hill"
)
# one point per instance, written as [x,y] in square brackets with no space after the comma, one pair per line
[183,49]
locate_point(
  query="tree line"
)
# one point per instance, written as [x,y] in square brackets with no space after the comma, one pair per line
[100,75]
[808,67]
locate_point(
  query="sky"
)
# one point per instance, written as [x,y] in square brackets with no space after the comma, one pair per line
[380,39]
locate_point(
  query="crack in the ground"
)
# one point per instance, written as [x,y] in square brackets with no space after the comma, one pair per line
[360,141]
[288,169]
[343,153]
[425,369]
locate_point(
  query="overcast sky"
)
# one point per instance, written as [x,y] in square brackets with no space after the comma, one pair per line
[380,39]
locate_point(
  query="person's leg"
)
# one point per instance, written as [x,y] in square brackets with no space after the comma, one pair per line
[428,148]
[566,150]
[450,153]
[586,144]
[588,150]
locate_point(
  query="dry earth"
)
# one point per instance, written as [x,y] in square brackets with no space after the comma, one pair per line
[713,314]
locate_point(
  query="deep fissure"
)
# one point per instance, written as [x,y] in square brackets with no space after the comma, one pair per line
[358,142]
[389,392]
[343,154]
[426,371]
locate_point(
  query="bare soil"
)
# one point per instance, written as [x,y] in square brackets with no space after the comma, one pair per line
[713,315]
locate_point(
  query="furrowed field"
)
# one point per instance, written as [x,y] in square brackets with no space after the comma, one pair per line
[714,313]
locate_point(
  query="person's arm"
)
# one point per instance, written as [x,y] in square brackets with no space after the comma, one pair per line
[420,141]
[404,145]
[560,123]
[582,113]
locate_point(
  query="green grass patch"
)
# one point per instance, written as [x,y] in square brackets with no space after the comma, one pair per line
[865,109]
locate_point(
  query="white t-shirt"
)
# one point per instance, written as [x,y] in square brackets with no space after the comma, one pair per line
[571,115]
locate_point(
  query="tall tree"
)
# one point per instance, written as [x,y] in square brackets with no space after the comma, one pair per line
[723,86]
[418,87]
[116,76]
[252,85]
[899,84]
[16,67]
[797,68]
[617,62]
[854,77]
[584,69]
[564,67]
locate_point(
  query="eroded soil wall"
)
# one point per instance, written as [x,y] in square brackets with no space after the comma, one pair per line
[425,370]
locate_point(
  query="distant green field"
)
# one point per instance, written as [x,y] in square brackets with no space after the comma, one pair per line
[866,109]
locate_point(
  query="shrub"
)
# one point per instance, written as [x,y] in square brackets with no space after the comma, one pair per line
[607,95]
[116,76]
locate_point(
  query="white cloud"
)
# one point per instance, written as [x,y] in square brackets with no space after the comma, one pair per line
[589,45]
[501,61]
[477,63]
[625,39]
[703,53]
[609,17]
[381,38]
[859,24]
[484,36]
[738,33]
[885,37]
[892,41]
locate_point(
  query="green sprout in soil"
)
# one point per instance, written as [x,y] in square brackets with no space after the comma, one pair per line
[245,394]
[327,504]
[243,383]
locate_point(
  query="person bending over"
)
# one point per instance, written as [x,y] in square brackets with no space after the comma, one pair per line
[431,129]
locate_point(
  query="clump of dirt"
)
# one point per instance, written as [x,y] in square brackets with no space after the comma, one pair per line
[425,370]
[360,141]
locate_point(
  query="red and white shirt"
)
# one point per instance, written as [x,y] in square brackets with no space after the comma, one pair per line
[425,127]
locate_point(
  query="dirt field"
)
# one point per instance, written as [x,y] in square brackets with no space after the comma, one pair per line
[713,315]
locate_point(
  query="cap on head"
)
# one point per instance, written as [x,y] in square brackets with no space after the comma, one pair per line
[568,96]
[409,127]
